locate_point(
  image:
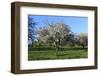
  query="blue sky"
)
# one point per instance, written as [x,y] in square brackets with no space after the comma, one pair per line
[76,23]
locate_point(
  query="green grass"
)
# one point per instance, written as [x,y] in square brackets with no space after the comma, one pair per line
[51,53]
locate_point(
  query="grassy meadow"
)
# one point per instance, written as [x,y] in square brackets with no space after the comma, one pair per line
[51,53]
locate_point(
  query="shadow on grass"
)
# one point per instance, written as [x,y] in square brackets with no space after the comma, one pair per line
[60,49]
[75,49]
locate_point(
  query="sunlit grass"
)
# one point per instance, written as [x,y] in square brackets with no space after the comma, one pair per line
[51,53]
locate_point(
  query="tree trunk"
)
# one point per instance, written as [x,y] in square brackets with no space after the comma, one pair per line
[32,44]
[83,46]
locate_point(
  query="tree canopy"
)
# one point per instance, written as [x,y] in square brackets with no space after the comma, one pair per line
[31,29]
[55,34]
